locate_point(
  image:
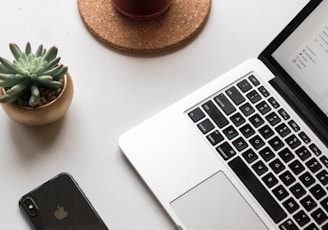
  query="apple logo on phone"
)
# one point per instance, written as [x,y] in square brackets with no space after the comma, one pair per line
[60,213]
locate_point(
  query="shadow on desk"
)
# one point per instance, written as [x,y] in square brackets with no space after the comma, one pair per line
[35,140]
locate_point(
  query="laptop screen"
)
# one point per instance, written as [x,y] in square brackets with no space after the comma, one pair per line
[304,56]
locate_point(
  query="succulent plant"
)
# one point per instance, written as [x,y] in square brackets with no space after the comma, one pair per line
[28,72]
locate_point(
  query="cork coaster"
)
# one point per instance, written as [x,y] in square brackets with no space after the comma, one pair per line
[182,22]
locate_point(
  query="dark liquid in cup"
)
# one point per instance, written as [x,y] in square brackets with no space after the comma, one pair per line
[142,9]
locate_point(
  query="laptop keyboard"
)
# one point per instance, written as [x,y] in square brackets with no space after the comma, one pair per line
[269,152]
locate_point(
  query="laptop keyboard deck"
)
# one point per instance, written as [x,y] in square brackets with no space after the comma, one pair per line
[269,152]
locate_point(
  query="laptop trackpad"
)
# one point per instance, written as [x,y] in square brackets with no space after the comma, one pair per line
[216,204]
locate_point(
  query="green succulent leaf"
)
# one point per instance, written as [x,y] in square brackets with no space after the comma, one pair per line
[9,80]
[28,48]
[54,84]
[30,60]
[35,91]
[10,66]
[44,79]
[10,76]
[50,54]
[9,98]
[4,69]
[34,101]
[23,60]
[15,50]
[39,51]
[8,84]
[52,63]
[20,87]
[54,71]
[60,74]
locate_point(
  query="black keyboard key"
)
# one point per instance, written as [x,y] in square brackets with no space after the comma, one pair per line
[283,114]
[303,153]
[308,203]
[288,225]
[286,155]
[226,151]
[244,86]
[260,168]
[291,205]
[254,96]
[230,132]
[267,154]
[280,192]
[253,80]
[218,118]
[258,190]
[277,166]
[318,192]
[223,102]
[273,102]
[273,118]
[247,130]
[311,227]
[294,125]
[283,130]
[324,204]
[304,137]
[249,155]
[266,131]
[256,142]
[196,115]
[235,95]
[287,178]
[297,190]
[319,216]
[270,180]
[293,141]
[237,119]
[313,165]
[263,107]
[301,218]
[263,91]
[324,161]
[256,120]
[205,126]
[240,144]
[296,167]
[215,137]
[276,143]
[315,150]
[323,177]
[325,227]
[307,179]
[247,109]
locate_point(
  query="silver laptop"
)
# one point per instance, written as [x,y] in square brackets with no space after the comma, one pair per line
[248,150]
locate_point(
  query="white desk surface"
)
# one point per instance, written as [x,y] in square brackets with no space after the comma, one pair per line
[114,92]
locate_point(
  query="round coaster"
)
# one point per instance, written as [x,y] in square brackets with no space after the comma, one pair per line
[183,20]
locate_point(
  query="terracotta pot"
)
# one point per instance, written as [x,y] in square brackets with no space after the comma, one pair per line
[142,9]
[44,114]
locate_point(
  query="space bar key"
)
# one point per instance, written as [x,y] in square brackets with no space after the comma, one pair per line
[257,189]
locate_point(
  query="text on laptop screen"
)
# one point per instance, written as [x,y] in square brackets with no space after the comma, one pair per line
[304,55]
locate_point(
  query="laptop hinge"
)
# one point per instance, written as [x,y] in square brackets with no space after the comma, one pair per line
[304,111]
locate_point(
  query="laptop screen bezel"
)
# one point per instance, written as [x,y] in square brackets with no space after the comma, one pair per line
[267,57]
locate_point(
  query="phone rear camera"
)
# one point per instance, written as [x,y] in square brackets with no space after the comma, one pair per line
[30,206]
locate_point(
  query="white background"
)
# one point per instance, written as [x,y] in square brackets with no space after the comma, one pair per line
[114,92]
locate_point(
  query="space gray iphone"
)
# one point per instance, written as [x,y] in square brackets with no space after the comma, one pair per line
[60,204]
